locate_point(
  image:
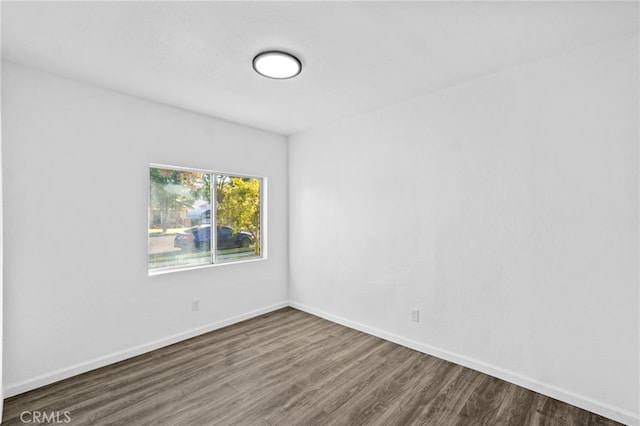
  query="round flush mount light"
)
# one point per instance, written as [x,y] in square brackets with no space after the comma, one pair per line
[277,64]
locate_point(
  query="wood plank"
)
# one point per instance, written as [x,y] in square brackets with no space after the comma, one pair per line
[291,368]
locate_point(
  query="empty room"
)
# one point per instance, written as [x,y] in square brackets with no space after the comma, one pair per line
[425,213]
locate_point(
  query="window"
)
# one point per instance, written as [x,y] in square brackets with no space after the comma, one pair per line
[182,218]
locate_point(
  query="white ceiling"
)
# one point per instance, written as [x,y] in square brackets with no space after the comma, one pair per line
[357,56]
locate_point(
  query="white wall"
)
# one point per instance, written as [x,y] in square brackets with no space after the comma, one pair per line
[1,267]
[76,160]
[505,209]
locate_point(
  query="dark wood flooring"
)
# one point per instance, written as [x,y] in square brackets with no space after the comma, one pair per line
[291,368]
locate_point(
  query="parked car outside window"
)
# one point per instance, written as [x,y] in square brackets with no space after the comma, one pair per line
[198,238]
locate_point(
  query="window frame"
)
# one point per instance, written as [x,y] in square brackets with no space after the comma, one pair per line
[213,206]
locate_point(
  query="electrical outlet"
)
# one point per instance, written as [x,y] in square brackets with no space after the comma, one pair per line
[415,315]
[195,305]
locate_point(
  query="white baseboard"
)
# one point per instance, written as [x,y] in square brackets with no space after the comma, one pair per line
[563,395]
[64,373]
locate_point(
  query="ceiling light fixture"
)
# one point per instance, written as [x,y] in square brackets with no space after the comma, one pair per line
[277,64]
